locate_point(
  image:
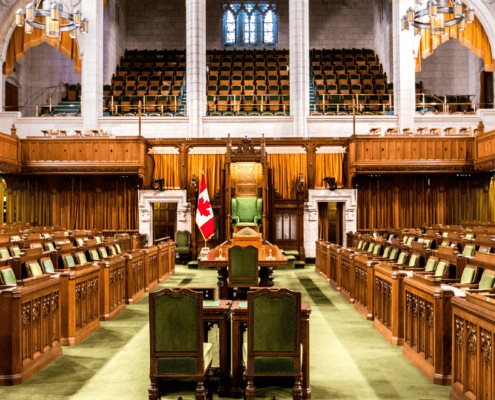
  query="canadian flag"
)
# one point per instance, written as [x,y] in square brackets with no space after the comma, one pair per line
[204,213]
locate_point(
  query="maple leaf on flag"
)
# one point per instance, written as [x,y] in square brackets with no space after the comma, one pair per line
[203,207]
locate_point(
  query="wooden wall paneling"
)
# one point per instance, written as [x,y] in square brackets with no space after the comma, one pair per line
[335,278]
[112,287]
[151,267]
[347,273]
[134,276]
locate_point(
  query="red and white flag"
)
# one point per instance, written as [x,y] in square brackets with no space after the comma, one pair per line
[204,213]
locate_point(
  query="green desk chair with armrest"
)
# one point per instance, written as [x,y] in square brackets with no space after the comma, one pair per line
[183,244]
[468,277]
[177,349]
[243,271]
[273,347]
[7,276]
[486,286]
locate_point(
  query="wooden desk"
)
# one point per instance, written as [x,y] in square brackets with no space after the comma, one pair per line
[219,258]
[221,315]
[473,335]
[239,321]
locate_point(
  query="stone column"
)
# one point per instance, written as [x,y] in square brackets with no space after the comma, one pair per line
[299,64]
[196,65]
[2,88]
[92,64]
[403,67]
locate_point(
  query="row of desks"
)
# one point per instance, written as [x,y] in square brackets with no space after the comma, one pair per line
[236,313]
[41,314]
[446,333]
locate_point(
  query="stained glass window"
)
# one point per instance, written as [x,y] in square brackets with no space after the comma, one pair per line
[249,24]
[230,27]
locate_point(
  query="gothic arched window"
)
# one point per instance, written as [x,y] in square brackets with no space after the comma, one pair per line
[249,24]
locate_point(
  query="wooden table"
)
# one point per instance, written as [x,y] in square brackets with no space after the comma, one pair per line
[221,315]
[239,321]
[269,257]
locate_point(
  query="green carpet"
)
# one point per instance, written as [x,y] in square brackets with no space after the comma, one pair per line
[349,359]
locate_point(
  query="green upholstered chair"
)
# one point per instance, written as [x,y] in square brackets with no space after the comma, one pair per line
[4,253]
[81,258]
[402,258]
[486,286]
[371,247]
[360,245]
[243,266]
[47,265]
[176,336]
[15,251]
[429,268]
[484,249]
[246,211]
[79,242]
[273,347]
[377,249]
[34,269]
[7,276]
[103,252]
[68,261]
[94,255]
[117,247]
[393,255]
[112,250]
[49,247]
[468,277]
[468,250]
[410,239]
[183,244]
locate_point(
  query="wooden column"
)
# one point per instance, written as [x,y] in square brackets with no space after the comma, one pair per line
[396,217]
[311,165]
[183,154]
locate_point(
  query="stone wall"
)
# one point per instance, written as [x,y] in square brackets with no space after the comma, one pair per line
[114,40]
[382,35]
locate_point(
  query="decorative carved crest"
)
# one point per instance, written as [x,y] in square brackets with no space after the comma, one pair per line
[245,147]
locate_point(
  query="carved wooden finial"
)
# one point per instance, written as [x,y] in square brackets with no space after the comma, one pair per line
[13,130]
[481,127]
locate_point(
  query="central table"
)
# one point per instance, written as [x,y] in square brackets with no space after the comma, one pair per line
[269,257]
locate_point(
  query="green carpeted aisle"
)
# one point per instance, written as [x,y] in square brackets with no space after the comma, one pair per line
[349,359]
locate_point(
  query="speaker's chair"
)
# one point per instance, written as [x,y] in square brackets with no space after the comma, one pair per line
[246,211]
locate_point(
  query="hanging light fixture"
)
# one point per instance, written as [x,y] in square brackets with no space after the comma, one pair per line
[436,11]
[53,13]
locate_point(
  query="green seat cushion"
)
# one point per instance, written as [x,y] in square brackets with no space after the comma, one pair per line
[441,268]
[410,240]
[182,240]
[8,276]
[300,264]
[50,247]
[15,238]
[386,252]
[270,365]
[94,255]
[119,250]
[4,253]
[112,250]
[360,245]
[376,250]
[246,210]
[182,249]
[48,265]
[427,242]
[104,253]
[282,251]
[290,258]
[16,251]
[393,255]
[431,265]
[252,282]
[193,264]
[294,253]
[468,251]
[183,365]
[80,242]
[35,269]
[487,282]
[98,239]
[468,275]
[412,261]
[245,224]
[402,258]
[69,261]
[82,258]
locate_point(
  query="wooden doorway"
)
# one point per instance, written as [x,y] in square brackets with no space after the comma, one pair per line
[11,97]
[486,89]
[164,220]
[330,222]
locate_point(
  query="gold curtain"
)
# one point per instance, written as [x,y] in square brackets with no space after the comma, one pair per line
[167,167]
[323,224]
[329,165]
[286,168]
[474,38]
[20,42]
[213,164]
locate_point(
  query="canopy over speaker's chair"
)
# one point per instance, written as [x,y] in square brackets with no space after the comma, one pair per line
[273,347]
[246,211]
[176,337]
[183,244]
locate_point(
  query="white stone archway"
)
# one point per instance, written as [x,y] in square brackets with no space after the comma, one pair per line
[315,196]
[148,197]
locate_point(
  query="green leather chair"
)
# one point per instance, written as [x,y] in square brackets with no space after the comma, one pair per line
[246,211]
[486,286]
[468,277]
[7,276]
[243,266]
[183,244]
[273,347]
[176,336]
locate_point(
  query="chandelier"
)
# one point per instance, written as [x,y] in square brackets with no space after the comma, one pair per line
[53,13]
[436,11]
